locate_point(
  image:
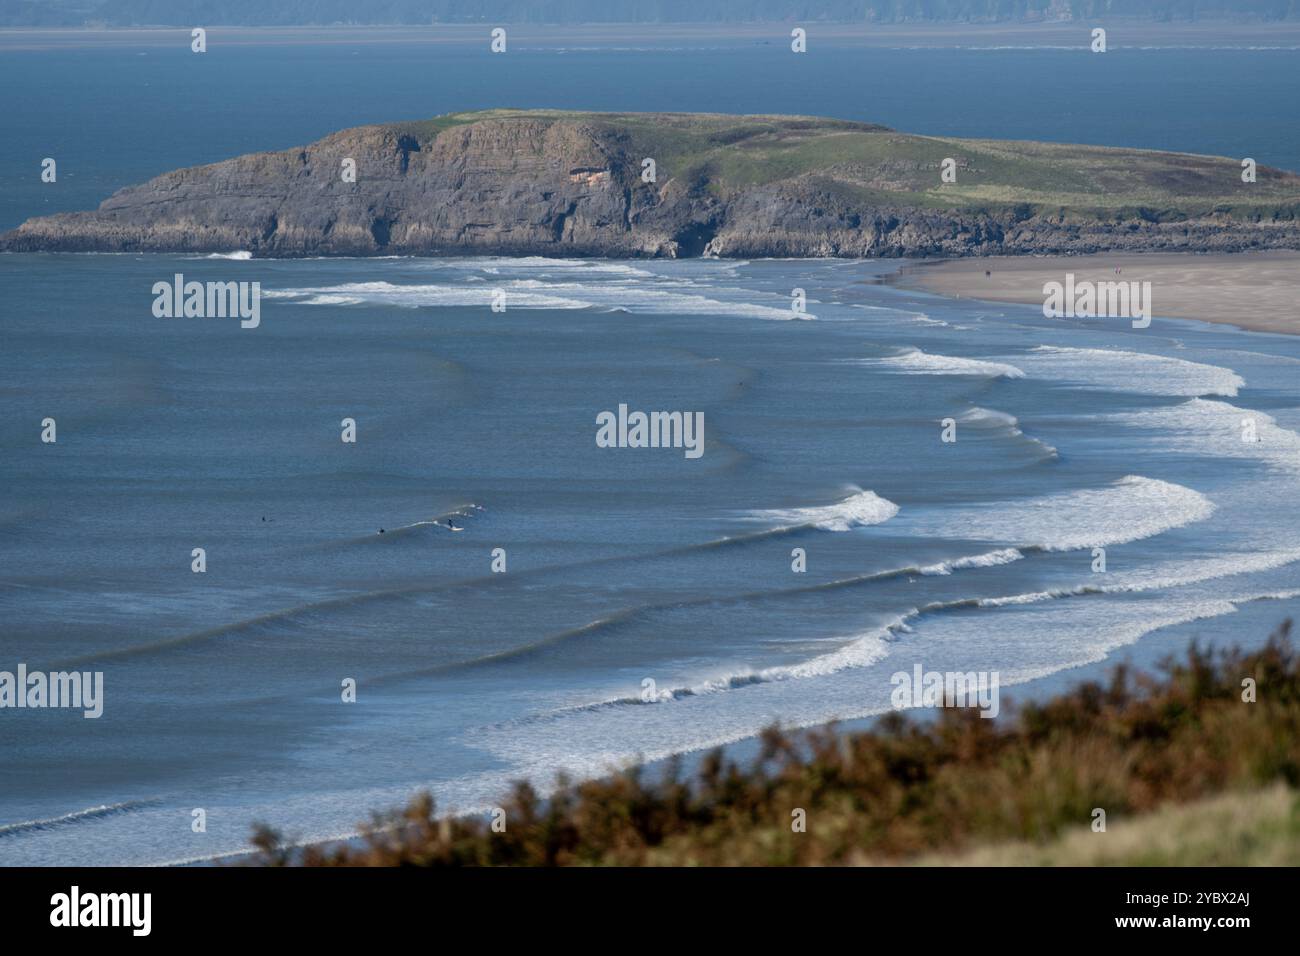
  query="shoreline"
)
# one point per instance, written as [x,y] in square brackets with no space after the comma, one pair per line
[1143,652]
[1255,291]
[1143,655]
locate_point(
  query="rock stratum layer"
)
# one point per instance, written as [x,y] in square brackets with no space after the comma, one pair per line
[571,184]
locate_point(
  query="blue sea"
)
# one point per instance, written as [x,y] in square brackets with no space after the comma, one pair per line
[624,568]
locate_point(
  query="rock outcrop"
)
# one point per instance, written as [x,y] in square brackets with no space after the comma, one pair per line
[571,184]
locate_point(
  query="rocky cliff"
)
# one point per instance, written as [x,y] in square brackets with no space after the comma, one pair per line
[578,184]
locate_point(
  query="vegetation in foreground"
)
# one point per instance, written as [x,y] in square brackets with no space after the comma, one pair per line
[1239,828]
[1218,732]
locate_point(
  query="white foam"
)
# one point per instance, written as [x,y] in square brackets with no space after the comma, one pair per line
[979,417]
[522,265]
[990,559]
[1084,632]
[1203,426]
[495,265]
[1129,509]
[1175,574]
[417,296]
[654,296]
[913,361]
[1120,370]
[90,813]
[858,510]
[664,295]
[1164,576]
[590,744]
[333,300]
[893,313]
[1290,595]
[862,651]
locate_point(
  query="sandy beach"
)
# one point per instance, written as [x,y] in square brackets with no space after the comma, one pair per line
[1254,290]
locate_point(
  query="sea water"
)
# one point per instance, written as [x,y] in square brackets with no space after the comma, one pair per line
[223,690]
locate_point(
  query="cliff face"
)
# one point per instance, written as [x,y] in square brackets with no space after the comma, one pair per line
[563,184]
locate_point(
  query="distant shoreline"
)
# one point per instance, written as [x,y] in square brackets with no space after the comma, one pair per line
[1122,33]
[1258,291]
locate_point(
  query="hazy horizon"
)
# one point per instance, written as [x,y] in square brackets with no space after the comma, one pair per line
[129,13]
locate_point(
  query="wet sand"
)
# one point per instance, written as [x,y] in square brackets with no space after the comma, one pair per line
[1252,290]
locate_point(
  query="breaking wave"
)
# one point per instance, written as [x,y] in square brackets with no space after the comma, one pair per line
[1120,370]
[79,816]
[913,361]
[1129,509]
[858,510]
[1206,426]
[656,295]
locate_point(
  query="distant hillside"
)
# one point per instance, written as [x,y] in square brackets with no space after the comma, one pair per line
[553,183]
[316,12]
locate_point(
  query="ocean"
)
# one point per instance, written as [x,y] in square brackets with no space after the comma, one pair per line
[531,589]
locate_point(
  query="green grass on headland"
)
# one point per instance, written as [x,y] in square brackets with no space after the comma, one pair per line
[727,154]
[1239,828]
[1020,789]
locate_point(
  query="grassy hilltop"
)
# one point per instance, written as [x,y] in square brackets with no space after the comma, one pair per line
[728,154]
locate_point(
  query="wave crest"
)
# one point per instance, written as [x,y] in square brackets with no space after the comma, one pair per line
[913,361]
[857,510]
